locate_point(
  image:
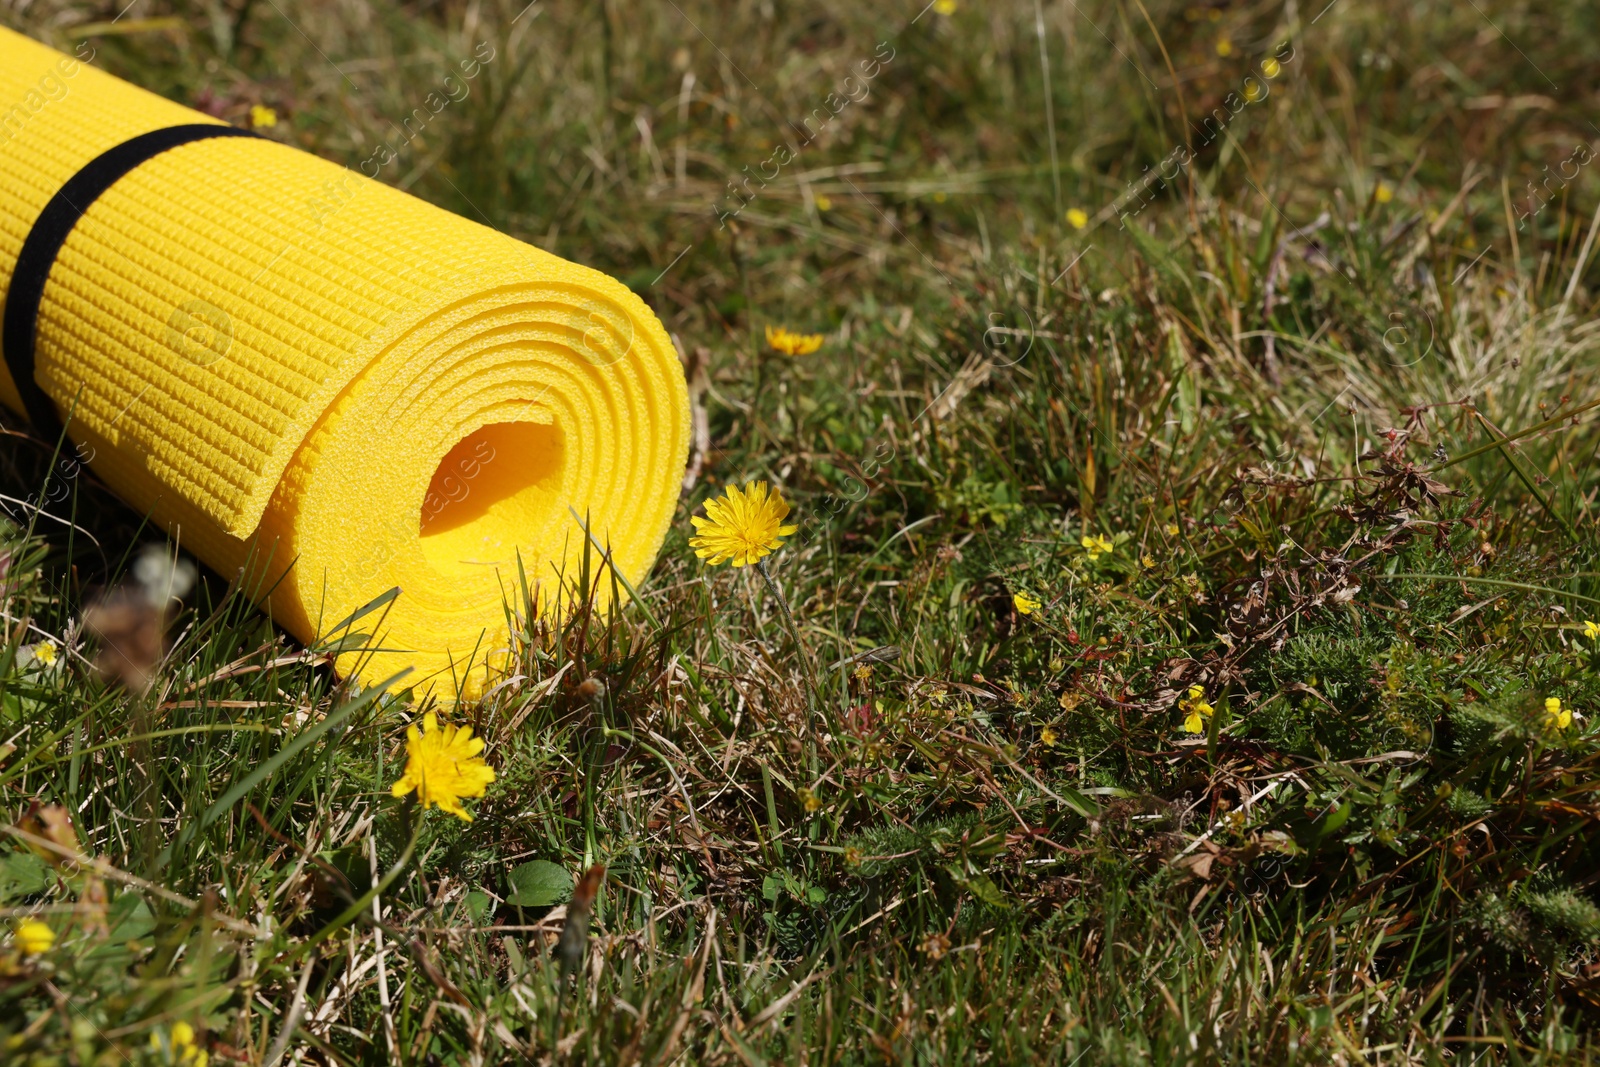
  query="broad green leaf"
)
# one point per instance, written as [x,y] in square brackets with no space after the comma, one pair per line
[22,874]
[538,884]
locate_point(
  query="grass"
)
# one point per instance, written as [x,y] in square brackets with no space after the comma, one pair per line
[1326,391]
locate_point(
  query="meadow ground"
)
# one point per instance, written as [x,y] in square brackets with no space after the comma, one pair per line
[1195,486]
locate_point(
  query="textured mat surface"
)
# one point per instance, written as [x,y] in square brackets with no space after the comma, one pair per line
[284,360]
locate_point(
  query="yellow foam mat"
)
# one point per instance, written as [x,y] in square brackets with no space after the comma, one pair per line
[282,358]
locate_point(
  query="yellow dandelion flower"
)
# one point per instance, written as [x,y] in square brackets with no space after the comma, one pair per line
[1196,710]
[1025,604]
[262,117]
[1384,193]
[1271,67]
[45,652]
[443,766]
[1096,546]
[823,203]
[1047,737]
[945,7]
[1224,47]
[793,344]
[1556,717]
[1077,218]
[1591,629]
[1147,561]
[32,937]
[179,1047]
[742,527]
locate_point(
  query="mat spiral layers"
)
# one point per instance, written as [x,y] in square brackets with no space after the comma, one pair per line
[287,362]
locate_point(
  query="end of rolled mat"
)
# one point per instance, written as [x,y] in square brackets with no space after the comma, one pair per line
[386,394]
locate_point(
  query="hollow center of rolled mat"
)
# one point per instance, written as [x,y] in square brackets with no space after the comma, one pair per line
[495,491]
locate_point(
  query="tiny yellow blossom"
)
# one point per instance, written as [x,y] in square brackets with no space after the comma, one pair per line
[1556,717]
[823,203]
[1025,604]
[32,936]
[790,343]
[262,117]
[1591,629]
[1078,218]
[1196,709]
[741,527]
[1384,193]
[945,7]
[1271,67]
[443,765]
[179,1046]
[1096,546]
[1147,561]
[45,652]
[1224,47]
[1047,737]
[809,800]
[1253,91]
[1172,529]
[863,673]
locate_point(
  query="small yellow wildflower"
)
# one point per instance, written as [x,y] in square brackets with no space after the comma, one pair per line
[1147,561]
[32,936]
[262,117]
[809,800]
[1077,218]
[823,203]
[1096,546]
[741,527]
[793,344]
[1556,717]
[1198,711]
[1047,737]
[1384,193]
[179,1046]
[852,856]
[443,766]
[1591,629]
[1025,604]
[1224,47]
[945,7]
[1271,67]
[1172,529]
[1253,91]
[45,652]
[863,673]
[1069,700]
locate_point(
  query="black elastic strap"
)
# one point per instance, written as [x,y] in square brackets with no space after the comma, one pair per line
[49,233]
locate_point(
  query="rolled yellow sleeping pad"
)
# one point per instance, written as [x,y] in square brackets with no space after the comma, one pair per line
[312,378]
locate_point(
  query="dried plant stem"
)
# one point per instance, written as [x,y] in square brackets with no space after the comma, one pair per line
[799,647]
